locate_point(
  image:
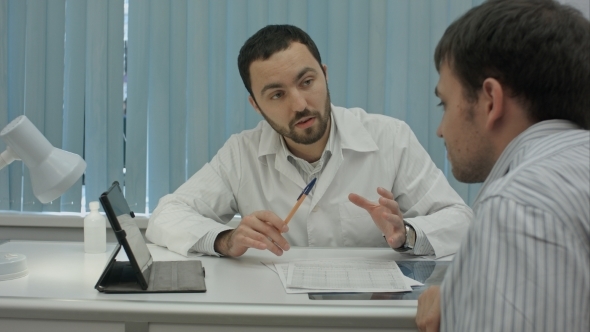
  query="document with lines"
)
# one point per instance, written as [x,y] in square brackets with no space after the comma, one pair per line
[341,275]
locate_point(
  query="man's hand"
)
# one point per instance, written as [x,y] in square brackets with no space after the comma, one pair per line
[261,230]
[386,215]
[428,315]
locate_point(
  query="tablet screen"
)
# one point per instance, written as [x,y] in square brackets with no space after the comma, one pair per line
[134,237]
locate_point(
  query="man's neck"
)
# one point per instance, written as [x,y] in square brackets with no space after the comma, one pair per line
[310,152]
[514,124]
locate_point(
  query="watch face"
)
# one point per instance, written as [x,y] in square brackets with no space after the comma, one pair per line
[412,239]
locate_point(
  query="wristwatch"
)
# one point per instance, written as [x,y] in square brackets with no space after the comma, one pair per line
[410,239]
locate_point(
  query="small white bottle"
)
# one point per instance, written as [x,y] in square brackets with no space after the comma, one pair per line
[95,232]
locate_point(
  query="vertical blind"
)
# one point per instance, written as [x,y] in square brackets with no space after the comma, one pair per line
[62,64]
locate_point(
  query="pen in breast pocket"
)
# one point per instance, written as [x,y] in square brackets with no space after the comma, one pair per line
[300,200]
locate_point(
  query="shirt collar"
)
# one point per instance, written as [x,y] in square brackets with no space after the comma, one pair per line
[345,127]
[352,131]
[514,152]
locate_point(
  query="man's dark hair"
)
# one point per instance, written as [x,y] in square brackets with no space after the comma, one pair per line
[268,41]
[539,50]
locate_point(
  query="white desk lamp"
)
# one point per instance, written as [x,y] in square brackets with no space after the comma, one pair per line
[52,170]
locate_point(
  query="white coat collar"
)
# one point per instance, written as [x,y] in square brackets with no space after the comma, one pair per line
[351,133]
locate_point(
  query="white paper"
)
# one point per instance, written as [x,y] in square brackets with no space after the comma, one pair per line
[411,282]
[355,275]
[367,273]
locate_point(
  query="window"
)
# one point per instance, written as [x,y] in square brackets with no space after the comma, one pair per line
[153,117]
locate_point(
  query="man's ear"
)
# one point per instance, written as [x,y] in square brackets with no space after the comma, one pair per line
[492,97]
[253,103]
[325,69]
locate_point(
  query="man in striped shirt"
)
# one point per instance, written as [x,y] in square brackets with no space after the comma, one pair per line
[515,86]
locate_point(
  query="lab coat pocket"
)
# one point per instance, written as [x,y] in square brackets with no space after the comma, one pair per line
[358,229]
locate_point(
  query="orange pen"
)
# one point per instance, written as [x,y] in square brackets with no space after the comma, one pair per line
[300,200]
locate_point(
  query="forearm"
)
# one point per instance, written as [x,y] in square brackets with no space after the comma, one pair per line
[442,231]
[179,228]
[202,205]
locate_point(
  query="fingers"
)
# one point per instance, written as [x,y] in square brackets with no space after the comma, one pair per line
[386,215]
[378,213]
[260,230]
[428,313]
[394,230]
[385,193]
[264,231]
[250,238]
[272,219]
[386,200]
[362,202]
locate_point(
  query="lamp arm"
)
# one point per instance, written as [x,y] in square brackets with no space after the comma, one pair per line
[7,157]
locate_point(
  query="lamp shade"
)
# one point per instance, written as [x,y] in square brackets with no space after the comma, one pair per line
[53,171]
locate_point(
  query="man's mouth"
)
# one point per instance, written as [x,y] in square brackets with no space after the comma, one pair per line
[305,122]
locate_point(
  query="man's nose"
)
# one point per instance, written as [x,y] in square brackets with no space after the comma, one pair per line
[298,101]
[439,131]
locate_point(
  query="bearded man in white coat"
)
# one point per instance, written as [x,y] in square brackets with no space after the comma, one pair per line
[376,186]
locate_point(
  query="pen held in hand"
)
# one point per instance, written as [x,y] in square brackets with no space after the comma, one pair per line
[300,200]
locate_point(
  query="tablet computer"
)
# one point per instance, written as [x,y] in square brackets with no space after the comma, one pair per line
[141,273]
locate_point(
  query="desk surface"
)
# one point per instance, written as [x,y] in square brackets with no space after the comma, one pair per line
[241,291]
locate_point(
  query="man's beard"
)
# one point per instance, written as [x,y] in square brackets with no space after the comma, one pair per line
[310,135]
[474,171]
[476,166]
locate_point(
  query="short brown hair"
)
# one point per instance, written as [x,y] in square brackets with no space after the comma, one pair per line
[539,50]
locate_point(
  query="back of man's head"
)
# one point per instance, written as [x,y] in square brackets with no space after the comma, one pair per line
[538,50]
[268,41]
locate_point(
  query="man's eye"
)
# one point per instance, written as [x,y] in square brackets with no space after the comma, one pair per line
[441,104]
[307,82]
[276,95]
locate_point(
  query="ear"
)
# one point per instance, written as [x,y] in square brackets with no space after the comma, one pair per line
[253,103]
[325,69]
[492,97]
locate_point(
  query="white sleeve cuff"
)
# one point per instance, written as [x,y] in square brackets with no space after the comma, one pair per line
[206,244]
[422,245]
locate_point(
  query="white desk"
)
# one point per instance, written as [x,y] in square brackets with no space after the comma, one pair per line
[242,295]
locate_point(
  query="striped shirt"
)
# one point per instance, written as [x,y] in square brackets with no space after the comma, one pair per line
[525,263]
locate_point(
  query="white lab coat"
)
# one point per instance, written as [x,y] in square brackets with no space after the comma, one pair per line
[251,172]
